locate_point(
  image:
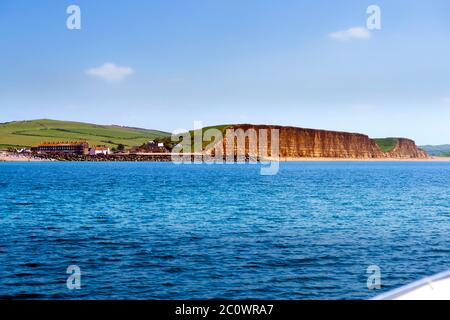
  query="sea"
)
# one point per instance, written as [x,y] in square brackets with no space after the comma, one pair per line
[146,230]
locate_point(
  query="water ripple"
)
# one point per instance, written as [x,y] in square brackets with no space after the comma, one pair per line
[162,231]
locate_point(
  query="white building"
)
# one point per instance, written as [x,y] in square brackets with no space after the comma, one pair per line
[95,150]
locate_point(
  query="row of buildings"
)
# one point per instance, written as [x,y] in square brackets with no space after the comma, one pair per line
[71,147]
[83,148]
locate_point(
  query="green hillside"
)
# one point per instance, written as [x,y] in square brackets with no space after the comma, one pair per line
[31,133]
[386,144]
[221,128]
[439,150]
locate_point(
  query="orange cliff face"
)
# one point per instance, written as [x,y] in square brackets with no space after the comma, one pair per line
[310,143]
[407,148]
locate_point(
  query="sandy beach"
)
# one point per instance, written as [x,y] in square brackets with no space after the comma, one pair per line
[430,159]
[18,158]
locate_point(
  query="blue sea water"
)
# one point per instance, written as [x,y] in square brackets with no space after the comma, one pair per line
[167,231]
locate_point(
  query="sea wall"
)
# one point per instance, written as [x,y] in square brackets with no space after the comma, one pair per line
[101,158]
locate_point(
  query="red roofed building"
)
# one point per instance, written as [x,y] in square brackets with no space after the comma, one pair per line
[68,147]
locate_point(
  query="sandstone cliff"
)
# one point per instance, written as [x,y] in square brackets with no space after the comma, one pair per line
[406,148]
[310,143]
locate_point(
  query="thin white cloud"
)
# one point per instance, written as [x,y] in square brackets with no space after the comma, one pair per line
[354,33]
[110,72]
[446,100]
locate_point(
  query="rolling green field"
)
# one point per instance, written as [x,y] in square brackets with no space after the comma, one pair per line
[442,150]
[386,144]
[31,133]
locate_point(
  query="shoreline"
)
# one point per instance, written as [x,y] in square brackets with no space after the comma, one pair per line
[21,159]
[156,158]
[431,159]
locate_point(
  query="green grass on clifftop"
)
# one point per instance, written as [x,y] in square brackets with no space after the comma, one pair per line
[192,133]
[31,133]
[386,144]
[222,128]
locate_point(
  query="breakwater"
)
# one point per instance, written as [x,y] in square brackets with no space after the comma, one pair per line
[160,157]
[100,158]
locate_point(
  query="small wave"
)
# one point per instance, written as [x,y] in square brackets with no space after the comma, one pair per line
[23,274]
[32,265]
[166,257]
[175,270]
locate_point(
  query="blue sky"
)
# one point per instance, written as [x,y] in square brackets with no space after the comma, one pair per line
[230,61]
